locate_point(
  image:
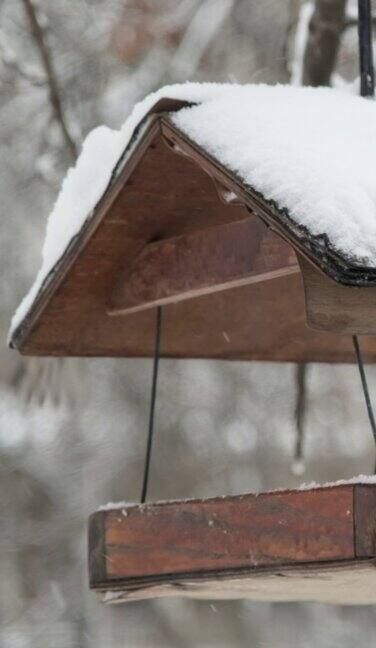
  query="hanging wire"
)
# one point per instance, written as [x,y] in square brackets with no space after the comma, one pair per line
[149,443]
[365,387]
[367,89]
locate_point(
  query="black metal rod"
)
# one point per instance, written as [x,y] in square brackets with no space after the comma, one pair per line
[367,89]
[365,387]
[367,77]
[149,443]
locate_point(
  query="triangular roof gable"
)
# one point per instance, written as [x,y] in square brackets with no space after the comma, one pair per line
[47,278]
[70,314]
[64,318]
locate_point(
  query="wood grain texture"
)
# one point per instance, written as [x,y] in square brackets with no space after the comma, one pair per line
[365,520]
[207,261]
[240,546]
[159,194]
[226,533]
[330,306]
[246,531]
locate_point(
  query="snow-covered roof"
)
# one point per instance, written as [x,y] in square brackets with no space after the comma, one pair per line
[312,151]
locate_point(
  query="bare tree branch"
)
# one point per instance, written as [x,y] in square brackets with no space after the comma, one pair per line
[301,377]
[325,30]
[54,93]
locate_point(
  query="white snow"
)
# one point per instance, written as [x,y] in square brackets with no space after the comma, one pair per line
[117,505]
[359,479]
[298,467]
[311,150]
[111,595]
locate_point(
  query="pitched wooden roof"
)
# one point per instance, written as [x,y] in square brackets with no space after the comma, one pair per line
[174,224]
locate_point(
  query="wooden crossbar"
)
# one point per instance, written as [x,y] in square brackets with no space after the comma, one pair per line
[202,262]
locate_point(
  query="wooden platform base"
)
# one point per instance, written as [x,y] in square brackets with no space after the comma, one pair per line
[348,584]
[317,545]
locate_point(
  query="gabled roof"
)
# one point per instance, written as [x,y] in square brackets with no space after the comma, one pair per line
[299,158]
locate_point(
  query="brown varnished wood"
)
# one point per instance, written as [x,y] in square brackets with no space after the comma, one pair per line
[365,520]
[188,266]
[97,553]
[159,194]
[147,546]
[330,306]
[246,531]
[256,322]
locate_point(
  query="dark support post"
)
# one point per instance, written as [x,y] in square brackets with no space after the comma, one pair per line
[363,378]
[367,77]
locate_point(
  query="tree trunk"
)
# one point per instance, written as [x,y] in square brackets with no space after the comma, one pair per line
[325,30]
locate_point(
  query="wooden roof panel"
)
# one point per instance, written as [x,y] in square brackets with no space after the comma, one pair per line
[155,196]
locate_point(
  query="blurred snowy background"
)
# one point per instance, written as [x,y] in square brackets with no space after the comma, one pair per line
[72,432]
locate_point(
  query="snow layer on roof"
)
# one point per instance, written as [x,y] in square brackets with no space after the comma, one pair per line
[311,150]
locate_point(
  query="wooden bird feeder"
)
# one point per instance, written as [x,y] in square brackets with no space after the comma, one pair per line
[237,279]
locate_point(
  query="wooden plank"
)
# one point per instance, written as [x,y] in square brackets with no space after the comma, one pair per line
[315,544]
[139,547]
[349,583]
[97,544]
[330,306]
[365,520]
[227,533]
[206,261]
